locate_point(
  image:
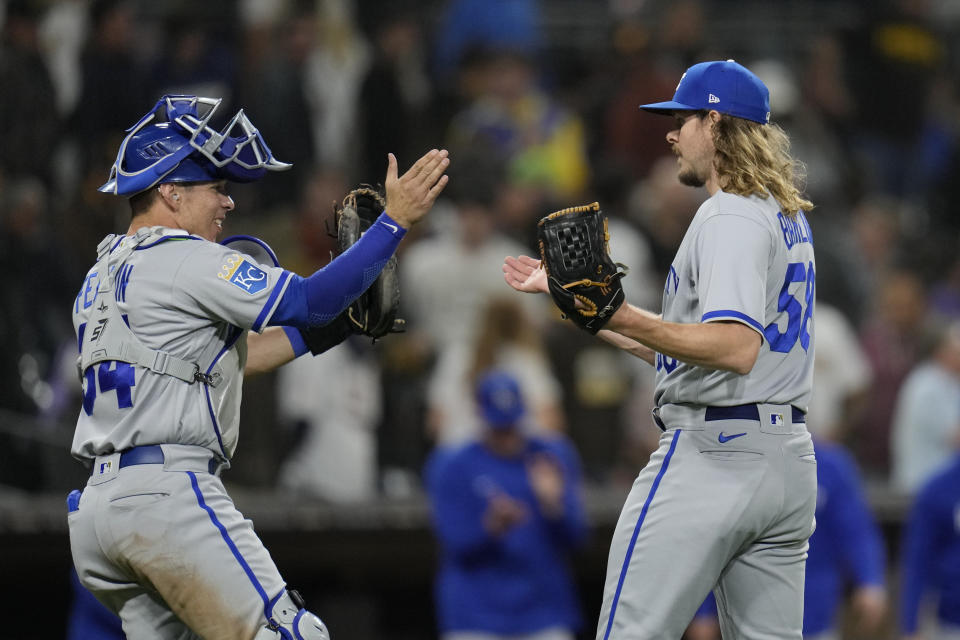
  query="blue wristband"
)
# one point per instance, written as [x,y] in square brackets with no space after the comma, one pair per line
[296,341]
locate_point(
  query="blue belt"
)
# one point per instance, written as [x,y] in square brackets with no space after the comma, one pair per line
[153,454]
[147,454]
[740,412]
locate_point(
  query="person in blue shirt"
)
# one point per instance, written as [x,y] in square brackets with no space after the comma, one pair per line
[88,617]
[507,513]
[931,556]
[846,551]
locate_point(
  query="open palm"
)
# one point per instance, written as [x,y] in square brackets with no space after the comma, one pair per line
[524,273]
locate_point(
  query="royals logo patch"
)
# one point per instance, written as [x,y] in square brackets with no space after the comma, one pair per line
[243,274]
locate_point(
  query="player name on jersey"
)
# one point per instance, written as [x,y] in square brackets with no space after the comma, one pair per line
[795,230]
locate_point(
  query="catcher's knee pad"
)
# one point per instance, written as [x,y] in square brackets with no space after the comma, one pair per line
[288,620]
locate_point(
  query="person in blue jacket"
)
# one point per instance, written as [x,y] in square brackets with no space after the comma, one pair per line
[931,556]
[846,554]
[507,513]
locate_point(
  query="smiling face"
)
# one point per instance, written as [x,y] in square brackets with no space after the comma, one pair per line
[691,140]
[203,208]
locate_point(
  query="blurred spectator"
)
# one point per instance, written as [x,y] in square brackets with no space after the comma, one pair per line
[333,77]
[601,386]
[29,122]
[945,292]
[652,52]
[334,402]
[507,512]
[113,89]
[35,293]
[542,143]
[88,617]
[274,91]
[485,24]
[821,121]
[926,422]
[197,59]
[846,557]
[396,105]
[842,376]
[664,207]
[893,338]
[63,31]
[448,278]
[931,559]
[506,340]
[895,58]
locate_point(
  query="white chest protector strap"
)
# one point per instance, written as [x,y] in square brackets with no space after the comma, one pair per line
[107,336]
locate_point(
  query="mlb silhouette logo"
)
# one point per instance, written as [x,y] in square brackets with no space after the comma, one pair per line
[105,467]
[776,419]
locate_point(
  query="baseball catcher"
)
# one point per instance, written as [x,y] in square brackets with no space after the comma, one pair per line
[575,253]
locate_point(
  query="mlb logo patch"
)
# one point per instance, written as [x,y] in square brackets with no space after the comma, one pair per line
[243,274]
[106,467]
[776,419]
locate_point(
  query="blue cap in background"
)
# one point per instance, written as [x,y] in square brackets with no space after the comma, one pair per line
[722,85]
[499,399]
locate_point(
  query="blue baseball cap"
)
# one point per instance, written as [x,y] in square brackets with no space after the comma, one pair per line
[722,85]
[499,399]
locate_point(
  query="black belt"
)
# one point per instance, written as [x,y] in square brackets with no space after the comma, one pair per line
[744,412]
[736,412]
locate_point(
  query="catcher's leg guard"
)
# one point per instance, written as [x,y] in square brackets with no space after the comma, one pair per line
[288,620]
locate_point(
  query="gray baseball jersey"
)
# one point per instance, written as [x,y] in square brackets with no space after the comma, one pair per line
[732,486]
[743,260]
[168,528]
[204,306]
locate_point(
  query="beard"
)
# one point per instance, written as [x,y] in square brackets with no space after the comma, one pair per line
[690,178]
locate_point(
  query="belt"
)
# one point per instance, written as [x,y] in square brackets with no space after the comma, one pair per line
[147,454]
[153,454]
[690,415]
[738,412]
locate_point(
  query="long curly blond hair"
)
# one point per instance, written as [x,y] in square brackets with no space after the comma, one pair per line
[754,159]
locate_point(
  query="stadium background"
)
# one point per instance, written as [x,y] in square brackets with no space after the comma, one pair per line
[867,89]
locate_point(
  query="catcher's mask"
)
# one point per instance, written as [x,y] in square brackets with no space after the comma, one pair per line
[173,142]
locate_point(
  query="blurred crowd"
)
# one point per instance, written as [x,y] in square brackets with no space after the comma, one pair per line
[537,102]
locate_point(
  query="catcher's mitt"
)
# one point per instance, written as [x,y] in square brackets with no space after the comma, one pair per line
[575,252]
[375,312]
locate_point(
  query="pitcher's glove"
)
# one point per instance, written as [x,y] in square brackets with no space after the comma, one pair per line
[574,250]
[374,313]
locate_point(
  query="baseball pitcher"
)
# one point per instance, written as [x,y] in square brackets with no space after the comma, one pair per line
[726,503]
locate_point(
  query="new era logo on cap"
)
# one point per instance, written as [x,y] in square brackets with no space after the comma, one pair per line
[720,85]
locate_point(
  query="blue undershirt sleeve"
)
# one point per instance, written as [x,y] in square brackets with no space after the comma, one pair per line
[318,299]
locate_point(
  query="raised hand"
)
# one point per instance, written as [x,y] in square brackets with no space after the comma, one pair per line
[524,273]
[411,196]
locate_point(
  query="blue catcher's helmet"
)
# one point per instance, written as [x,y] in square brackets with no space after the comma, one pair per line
[174,143]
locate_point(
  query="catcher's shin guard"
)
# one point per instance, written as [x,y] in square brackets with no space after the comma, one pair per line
[288,620]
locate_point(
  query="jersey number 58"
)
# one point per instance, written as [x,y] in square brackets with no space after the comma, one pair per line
[798,315]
